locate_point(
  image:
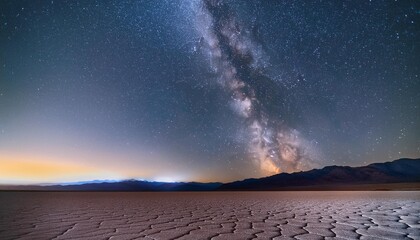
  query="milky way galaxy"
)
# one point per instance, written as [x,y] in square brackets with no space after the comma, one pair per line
[240,62]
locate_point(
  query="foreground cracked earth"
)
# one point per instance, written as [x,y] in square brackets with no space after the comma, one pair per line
[210,215]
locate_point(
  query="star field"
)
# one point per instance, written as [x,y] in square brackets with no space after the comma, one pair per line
[208,90]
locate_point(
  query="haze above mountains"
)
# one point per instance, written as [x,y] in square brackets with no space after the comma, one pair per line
[402,174]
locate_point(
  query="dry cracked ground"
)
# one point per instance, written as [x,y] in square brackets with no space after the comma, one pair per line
[210,215]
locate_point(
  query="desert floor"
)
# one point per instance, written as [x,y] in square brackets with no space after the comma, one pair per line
[210,215]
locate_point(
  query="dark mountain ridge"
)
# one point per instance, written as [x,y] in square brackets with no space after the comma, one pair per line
[398,171]
[328,178]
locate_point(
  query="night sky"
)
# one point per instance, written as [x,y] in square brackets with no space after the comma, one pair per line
[205,90]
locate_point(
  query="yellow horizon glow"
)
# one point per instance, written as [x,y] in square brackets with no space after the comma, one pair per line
[33,168]
[22,169]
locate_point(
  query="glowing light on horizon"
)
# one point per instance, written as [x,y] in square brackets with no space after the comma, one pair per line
[24,169]
[27,168]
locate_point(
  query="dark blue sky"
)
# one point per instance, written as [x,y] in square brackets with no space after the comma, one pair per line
[209,90]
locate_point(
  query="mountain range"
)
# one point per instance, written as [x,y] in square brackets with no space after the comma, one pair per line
[401,174]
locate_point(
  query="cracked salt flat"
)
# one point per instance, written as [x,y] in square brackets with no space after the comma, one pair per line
[210,215]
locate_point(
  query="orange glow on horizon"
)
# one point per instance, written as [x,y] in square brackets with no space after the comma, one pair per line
[33,169]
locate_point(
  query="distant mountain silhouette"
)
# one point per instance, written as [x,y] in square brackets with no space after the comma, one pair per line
[127,185]
[328,178]
[334,177]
